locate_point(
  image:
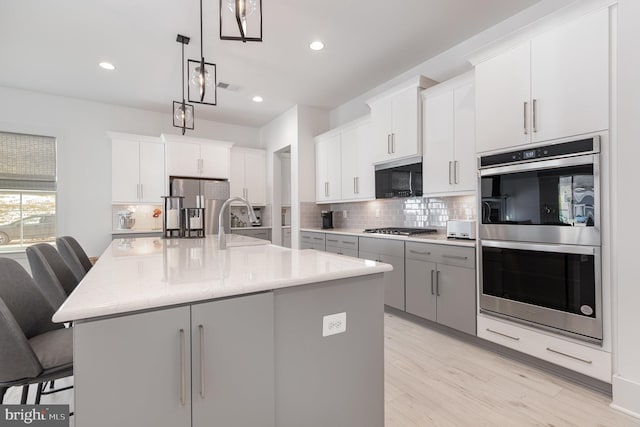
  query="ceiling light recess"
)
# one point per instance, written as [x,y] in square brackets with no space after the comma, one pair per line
[257,98]
[107,65]
[316,45]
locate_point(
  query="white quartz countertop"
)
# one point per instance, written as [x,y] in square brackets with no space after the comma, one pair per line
[439,238]
[144,273]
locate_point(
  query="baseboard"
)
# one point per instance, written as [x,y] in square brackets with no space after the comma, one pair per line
[575,377]
[626,395]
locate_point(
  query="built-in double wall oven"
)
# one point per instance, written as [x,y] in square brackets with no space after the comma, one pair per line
[540,237]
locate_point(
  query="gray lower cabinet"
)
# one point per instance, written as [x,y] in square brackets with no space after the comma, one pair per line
[312,240]
[256,233]
[286,237]
[200,365]
[390,252]
[342,244]
[441,284]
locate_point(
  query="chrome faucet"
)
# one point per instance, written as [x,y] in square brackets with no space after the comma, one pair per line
[222,238]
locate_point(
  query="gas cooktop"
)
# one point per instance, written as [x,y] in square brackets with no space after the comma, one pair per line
[400,231]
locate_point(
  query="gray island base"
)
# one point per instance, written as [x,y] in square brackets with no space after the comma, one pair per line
[301,355]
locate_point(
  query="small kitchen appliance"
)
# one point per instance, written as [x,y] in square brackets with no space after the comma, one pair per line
[461,229]
[258,213]
[126,220]
[327,219]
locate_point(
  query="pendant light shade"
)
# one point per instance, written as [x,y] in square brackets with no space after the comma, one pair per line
[202,84]
[183,113]
[241,20]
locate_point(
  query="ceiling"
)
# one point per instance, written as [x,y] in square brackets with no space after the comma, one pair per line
[55,47]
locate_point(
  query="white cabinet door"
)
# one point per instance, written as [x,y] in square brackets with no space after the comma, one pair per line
[183,159]
[255,176]
[215,160]
[349,160]
[366,183]
[286,181]
[152,178]
[381,130]
[502,100]
[570,78]
[405,124]
[328,164]
[125,179]
[236,178]
[438,127]
[464,147]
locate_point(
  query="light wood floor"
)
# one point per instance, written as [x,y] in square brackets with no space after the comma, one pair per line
[432,379]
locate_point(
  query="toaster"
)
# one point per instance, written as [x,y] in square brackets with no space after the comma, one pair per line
[461,229]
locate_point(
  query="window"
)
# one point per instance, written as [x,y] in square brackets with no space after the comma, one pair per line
[27,190]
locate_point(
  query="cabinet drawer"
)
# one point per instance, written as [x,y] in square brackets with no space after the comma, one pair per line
[441,254]
[381,246]
[309,236]
[342,241]
[581,358]
[342,251]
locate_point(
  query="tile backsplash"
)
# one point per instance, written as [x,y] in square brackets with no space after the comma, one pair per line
[411,212]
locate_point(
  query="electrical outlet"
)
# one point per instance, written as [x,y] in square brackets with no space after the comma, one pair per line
[334,324]
[344,214]
[377,213]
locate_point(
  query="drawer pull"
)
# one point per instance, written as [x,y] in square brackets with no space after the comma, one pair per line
[455,257]
[318,238]
[503,335]
[348,243]
[419,252]
[569,356]
[332,240]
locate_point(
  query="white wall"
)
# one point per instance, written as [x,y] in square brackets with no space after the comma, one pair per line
[84,151]
[626,380]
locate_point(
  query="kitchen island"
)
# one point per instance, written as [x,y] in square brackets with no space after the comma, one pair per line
[179,333]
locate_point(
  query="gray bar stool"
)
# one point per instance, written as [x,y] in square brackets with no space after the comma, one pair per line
[52,275]
[73,254]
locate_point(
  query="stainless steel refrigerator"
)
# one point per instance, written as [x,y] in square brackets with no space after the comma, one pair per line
[207,193]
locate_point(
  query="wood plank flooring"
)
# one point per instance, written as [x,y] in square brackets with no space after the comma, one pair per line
[432,379]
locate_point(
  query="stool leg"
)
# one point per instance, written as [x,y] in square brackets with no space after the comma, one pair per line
[51,384]
[39,392]
[25,393]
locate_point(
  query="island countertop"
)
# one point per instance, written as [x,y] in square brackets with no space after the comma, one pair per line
[145,273]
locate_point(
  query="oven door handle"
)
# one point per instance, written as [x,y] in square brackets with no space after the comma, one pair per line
[541,247]
[578,160]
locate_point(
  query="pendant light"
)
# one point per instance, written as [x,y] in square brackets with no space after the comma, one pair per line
[241,20]
[183,112]
[202,86]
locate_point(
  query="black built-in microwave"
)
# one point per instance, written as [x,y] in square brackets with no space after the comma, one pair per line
[395,180]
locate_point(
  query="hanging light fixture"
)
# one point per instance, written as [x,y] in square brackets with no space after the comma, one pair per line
[183,112]
[202,87]
[241,20]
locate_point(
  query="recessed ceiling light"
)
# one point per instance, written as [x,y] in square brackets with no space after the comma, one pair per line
[257,98]
[316,45]
[107,66]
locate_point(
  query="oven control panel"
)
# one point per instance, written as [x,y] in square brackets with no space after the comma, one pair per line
[556,150]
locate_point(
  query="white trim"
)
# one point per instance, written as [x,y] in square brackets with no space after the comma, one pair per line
[418,82]
[625,396]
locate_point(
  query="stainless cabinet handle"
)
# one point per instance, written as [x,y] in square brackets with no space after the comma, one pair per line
[437,282]
[393,143]
[355,191]
[570,356]
[332,240]
[432,282]
[455,257]
[328,189]
[202,391]
[357,185]
[450,172]
[318,238]
[419,252]
[348,243]
[525,117]
[456,170]
[389,143]
[503,335]
[533,112]
[183,398]
[141,191]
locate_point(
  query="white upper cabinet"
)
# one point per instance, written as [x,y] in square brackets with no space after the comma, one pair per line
[198,158]
[555,86]
[396,124]
[328,165]
[248,175]
[137,169]
[358,175]
[449,163]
